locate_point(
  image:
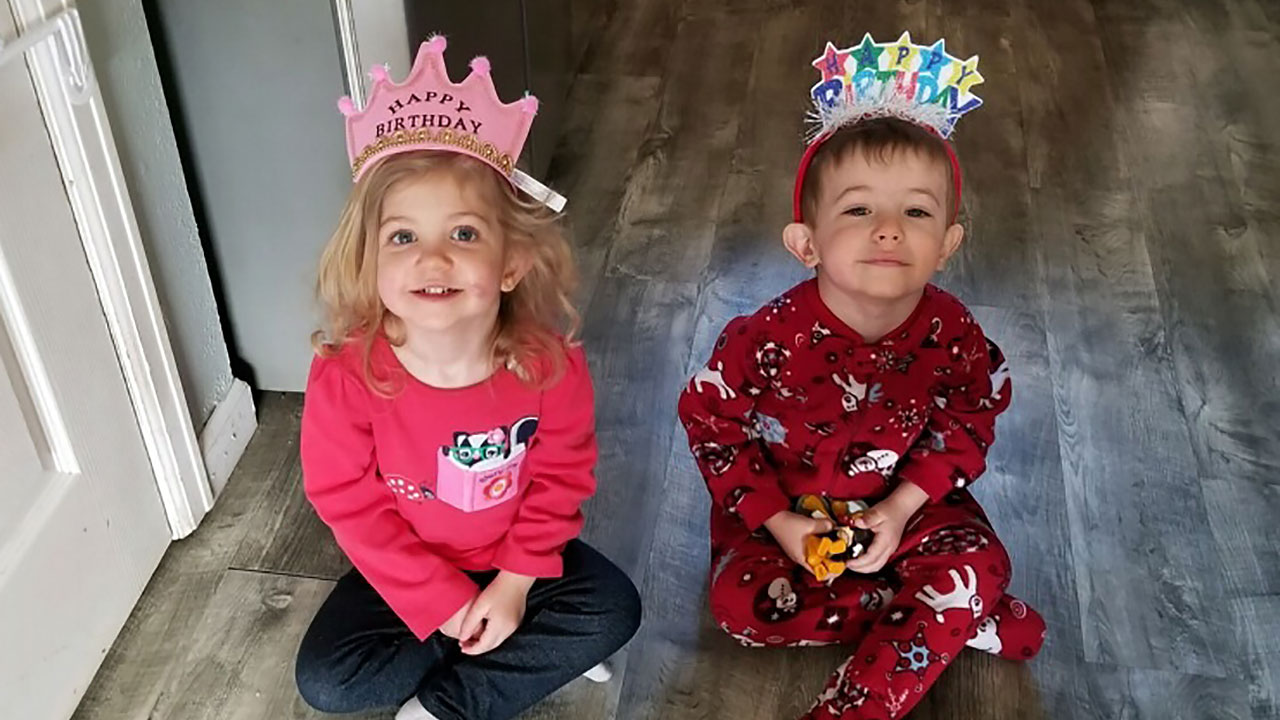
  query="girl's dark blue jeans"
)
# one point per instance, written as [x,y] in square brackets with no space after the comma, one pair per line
[358,655]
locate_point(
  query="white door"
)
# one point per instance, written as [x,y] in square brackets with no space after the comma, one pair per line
[82,526]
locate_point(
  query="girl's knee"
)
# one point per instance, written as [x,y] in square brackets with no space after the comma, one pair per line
[626,609]
[618,603]
[320,685]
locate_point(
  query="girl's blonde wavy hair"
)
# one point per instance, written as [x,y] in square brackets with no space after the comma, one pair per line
[536,321]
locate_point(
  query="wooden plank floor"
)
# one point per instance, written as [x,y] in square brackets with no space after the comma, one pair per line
[1123,206]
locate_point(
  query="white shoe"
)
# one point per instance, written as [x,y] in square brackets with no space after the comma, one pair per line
[601,673]
[413,710]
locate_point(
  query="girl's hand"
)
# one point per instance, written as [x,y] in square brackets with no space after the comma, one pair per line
[790,529]
[495,614]
[453,626]
[887,519]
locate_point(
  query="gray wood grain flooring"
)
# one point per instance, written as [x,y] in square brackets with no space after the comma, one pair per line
[1123,216]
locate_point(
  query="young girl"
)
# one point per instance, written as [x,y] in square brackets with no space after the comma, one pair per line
[448,431]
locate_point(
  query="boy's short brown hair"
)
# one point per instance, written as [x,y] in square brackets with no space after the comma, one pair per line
[881,139]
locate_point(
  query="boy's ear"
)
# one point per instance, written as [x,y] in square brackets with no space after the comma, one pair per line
[951,241]
[798,238]
[517,266]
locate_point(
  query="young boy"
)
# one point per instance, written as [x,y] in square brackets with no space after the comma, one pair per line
[864,383]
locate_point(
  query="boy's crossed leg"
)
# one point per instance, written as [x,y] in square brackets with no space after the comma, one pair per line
[943,590]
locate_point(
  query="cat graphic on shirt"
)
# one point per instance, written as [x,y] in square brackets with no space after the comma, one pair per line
[482,470]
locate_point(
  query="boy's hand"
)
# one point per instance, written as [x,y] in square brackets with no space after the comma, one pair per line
[495,614]
[453,626]
[790,529]
[887,519]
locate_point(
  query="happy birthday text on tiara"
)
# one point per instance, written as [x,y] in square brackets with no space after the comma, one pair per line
[871,72]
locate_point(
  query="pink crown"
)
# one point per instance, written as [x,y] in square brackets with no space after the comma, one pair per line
[429,112]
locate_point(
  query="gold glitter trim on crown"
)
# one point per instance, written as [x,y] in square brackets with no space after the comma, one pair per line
[463,140]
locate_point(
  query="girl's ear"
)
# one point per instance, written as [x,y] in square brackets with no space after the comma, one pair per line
[517,266]
[798,239]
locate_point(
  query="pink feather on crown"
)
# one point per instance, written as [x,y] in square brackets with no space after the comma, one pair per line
[429,112]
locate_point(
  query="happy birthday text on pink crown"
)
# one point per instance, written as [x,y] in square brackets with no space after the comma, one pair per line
[429,112]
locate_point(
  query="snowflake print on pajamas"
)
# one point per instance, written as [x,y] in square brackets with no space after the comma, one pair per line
[914,655]
[909,419]
[887,360]
[777,305]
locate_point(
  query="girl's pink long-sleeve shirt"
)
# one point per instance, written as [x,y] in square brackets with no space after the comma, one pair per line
[428,483]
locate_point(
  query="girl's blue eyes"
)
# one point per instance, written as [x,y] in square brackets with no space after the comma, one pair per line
[462,234]
[918,213]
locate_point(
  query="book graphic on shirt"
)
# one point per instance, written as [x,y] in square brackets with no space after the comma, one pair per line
[481,470]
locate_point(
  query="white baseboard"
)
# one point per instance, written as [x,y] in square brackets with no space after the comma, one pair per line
[227,434]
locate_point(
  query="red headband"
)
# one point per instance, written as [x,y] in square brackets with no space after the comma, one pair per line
[797,213]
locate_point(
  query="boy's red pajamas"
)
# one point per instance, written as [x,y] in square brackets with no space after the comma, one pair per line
[794,402]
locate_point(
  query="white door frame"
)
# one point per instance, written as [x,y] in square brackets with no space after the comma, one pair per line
[94,182]
[380,26]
